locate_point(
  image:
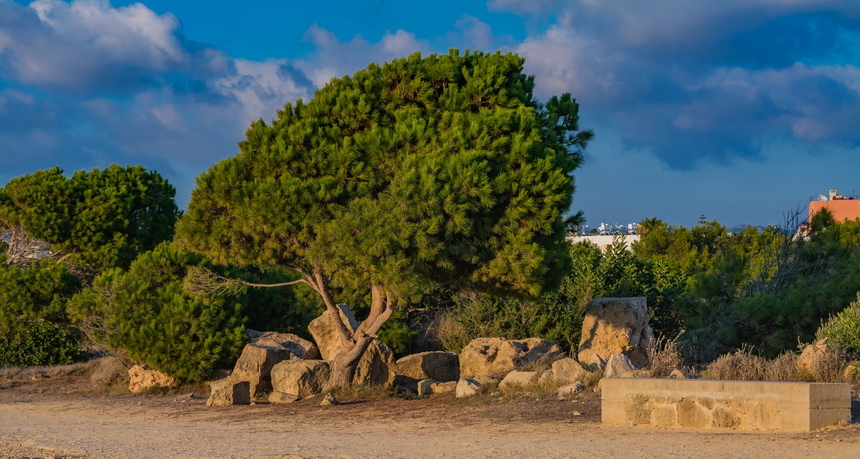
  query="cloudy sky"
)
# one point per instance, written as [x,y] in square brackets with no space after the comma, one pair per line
[739,110]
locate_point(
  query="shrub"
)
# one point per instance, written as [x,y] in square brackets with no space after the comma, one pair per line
[146,312]
[741,365]
[33,324]
[843,329]
[38,343]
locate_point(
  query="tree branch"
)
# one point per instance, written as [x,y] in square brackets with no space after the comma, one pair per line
[203,281]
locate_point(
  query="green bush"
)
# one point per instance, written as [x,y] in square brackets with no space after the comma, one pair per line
[38,343]
[558,314]
[34,292]
[843,329]
[146,312]
[34,329]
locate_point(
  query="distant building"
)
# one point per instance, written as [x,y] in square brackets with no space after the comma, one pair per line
[604,241]
[842,207]
[603,235]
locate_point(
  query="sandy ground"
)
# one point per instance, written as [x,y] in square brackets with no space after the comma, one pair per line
[59,418]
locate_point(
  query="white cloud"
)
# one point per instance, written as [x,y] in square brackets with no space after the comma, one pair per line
[262,88]
[334,58]
[87,45]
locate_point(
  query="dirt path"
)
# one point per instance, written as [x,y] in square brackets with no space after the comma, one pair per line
[56,418]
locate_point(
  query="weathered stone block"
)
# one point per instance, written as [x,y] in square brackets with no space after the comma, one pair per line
[228,392]
[615,326]
[282,397]
[255,366]
[142,377]
[298,346]
[518,378]
[725,404]
[439,366]
[303,378]
[467,388]
[498,356]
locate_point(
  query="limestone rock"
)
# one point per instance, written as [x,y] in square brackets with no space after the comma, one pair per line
[298,346]
[617,365]
[325,333]
[495,356]
[569,390]
[615,326]
[377,365]
[302,378]
[438,366]
[813,355]
[518,378]
[255,365]
[227,392]
[634,374]
[430,387]
[467,388]
[142,377]
[283,397]
[424,387]
[329,400]
[677,374]
[568,371]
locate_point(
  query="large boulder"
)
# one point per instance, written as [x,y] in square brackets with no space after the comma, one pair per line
[438,366]
[142,377]
[325,333]
[302,378]
[498,356]
[228,392]
[615,326]
[255,365]
[377,365]
[299,347]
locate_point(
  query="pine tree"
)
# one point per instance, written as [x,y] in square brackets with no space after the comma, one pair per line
[436,170]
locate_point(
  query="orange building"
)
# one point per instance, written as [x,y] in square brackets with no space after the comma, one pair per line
[842,207]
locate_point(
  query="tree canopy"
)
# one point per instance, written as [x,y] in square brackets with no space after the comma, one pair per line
[99,218]
[442,169]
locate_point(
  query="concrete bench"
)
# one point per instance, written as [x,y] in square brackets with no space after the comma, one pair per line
[748,405]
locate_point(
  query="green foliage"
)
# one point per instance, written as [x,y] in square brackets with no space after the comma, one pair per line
[146,312]
[843,329]
[33,315]
[99,219]
[35,292]
[441,170]
[766,289]
[558,314]
[38,343]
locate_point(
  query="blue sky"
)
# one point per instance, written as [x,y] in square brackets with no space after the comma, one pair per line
[736,109]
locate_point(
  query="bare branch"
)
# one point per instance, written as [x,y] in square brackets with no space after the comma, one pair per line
[21,248]
[203,281]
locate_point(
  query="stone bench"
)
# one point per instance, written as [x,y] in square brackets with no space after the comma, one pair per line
[748,405]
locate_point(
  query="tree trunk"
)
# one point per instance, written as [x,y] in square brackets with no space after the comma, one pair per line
[345,363]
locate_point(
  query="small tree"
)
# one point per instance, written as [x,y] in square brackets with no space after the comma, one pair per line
[422,171]
[96,220]
[146,312]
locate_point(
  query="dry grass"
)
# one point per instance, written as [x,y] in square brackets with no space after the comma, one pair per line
[664,357]
[743,365]
[740,365]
